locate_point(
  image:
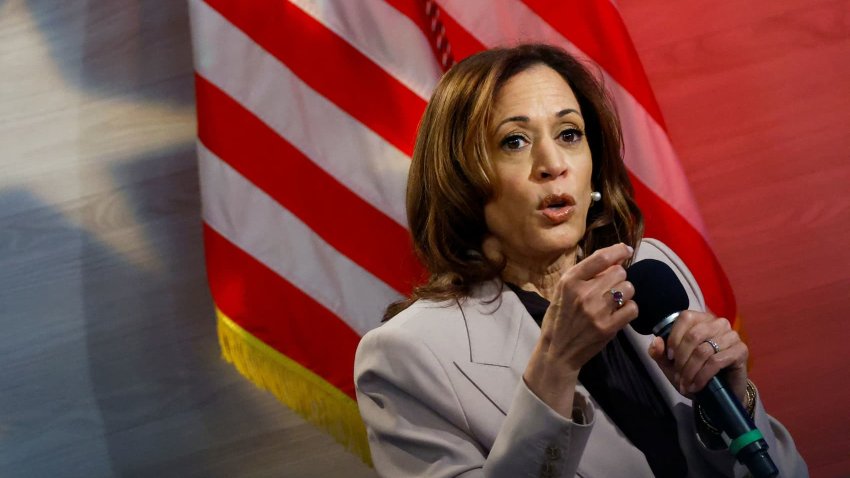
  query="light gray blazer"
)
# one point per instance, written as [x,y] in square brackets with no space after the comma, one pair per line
[441,392]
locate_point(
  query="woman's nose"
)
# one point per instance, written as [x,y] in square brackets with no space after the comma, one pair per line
[549,162]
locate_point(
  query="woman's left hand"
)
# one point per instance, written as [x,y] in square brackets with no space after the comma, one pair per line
[690,360]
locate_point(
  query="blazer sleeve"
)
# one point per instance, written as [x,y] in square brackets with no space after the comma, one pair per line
[417,428]
[781,446]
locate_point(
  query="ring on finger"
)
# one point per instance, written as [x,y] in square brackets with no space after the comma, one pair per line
[618,297]
[713,345]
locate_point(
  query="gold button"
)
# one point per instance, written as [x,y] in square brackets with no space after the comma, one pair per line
[553,453]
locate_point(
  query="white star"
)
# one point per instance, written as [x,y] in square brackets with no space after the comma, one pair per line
[62,143]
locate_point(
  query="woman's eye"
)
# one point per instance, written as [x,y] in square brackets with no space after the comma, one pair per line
[514,142]
[571,135]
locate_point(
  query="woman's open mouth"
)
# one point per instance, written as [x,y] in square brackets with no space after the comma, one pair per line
[557,208]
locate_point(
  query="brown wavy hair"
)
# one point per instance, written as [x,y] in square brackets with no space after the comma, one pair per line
[451,177]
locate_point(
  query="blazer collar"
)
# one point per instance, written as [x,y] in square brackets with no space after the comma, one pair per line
[494,317]
[501,337]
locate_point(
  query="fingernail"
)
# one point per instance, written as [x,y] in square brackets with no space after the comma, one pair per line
[630,248]
[669,353]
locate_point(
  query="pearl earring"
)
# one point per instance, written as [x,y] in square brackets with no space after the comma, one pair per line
[596,196]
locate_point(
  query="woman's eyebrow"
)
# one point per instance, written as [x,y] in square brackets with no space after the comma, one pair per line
[566,111]
[519,119]
[525,119]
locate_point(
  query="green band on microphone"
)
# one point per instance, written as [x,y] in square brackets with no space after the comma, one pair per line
[744,440]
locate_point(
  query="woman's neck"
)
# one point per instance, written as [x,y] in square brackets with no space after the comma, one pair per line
[540,277]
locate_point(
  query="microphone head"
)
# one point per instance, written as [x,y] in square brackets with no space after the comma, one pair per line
[658,293]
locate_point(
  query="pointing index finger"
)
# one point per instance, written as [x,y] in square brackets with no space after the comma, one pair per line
[601,260]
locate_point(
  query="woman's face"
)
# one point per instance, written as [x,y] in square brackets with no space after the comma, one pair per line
[539,150]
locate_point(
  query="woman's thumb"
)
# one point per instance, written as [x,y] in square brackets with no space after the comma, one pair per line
[656,351]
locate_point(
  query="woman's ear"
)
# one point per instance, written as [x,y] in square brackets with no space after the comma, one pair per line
[492,249]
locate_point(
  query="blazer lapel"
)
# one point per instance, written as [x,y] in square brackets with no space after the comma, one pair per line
[653,249]
[501,337]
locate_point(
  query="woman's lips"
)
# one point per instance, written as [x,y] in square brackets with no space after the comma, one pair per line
[557,208]
[557,215]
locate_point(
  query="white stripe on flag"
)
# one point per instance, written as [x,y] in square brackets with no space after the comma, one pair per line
[649,154]
[385,36]
[339,144]
[264,229]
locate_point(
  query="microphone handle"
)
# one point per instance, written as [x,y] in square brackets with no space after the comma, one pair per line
[725,411]
[745,441]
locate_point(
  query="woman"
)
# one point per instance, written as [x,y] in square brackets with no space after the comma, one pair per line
[518,198]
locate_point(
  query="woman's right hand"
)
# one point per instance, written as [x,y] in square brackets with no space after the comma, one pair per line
[582,317]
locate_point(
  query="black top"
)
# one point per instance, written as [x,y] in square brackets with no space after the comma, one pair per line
[620,384]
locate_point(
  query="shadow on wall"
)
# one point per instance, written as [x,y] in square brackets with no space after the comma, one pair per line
[113,367]
[131,48]
[154,361]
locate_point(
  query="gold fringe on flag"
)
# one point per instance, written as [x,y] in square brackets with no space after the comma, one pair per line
[309,395]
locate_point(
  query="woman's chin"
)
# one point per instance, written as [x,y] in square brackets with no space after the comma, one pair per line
[563,239]
[553,247]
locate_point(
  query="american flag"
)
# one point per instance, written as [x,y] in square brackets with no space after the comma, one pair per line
[307,114]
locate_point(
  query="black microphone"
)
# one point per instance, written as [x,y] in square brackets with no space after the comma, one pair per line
[660,298]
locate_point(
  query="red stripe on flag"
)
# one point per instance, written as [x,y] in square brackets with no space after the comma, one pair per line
[279,314]
[463,44]
[331,66]
[665,223]
[339,216]
[596,28]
